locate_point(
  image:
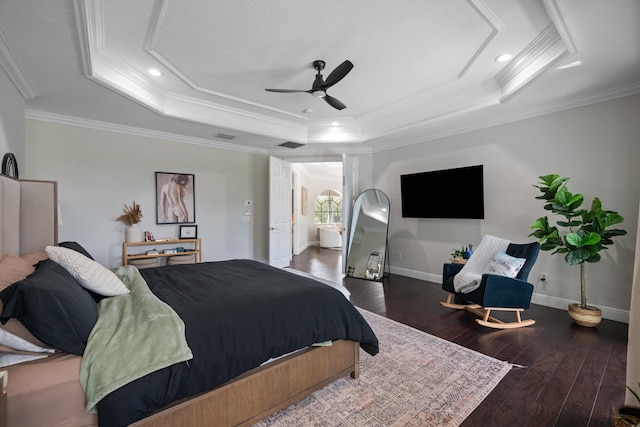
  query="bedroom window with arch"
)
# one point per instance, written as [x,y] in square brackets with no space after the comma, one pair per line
[328,207]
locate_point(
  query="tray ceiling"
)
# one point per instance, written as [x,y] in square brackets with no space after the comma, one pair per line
[422,69]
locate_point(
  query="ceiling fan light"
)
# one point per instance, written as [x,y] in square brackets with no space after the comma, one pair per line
[319,93]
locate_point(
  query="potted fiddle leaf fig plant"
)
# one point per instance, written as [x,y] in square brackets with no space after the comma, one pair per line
[580,236]
[628,415]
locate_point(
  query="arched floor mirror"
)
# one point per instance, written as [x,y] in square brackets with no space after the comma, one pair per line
[367,244]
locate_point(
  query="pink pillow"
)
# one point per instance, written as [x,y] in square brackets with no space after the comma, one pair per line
[13,269]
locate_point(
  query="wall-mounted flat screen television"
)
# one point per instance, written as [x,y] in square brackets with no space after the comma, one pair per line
[448,193]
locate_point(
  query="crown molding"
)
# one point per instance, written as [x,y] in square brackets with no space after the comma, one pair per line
[553,11]
[427,107]
[135,131]
[552,46]
[321,150]
[470,125]
[14,70]
[544,53]
[190,108]
[494,23]
[85,34]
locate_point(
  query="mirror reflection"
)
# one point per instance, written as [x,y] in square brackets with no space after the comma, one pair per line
[367,245]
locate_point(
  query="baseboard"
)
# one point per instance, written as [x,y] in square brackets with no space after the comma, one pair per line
[435,278]
[301,249]
[614,314]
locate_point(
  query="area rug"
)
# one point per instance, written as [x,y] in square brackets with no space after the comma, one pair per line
[416,380]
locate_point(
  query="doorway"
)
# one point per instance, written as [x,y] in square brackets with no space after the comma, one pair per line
[309,179]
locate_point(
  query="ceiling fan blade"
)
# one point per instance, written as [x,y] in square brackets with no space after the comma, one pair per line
[286,90]
[334,102]
[337,74]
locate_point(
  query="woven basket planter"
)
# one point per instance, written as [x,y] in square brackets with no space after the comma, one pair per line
[590,317]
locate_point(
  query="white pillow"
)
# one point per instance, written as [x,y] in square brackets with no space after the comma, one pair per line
[16,348]
[7,339]
[504,265]
[89,273]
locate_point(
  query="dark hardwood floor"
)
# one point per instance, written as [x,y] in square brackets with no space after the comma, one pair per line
[570,375]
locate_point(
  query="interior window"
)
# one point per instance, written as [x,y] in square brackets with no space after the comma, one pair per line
[328,207]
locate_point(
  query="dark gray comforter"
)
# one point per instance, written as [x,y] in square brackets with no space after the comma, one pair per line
[237,314]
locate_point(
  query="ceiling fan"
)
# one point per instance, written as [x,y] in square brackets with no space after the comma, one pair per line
[320,86]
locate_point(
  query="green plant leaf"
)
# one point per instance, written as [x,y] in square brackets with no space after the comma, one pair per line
[590,239]
[582,239]
[540,223]
[594,258]
[612,218]
[614,232]
[573,239]
[577,256]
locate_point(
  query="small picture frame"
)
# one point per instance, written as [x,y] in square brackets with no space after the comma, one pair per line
[188,231]
[148,236]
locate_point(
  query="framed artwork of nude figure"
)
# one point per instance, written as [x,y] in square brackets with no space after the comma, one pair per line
[175,198]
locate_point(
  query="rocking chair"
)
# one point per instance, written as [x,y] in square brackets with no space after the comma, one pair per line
[496,292]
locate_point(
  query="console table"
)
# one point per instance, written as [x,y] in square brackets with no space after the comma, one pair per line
[194,248]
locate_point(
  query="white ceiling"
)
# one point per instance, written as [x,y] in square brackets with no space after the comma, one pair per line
[422,68]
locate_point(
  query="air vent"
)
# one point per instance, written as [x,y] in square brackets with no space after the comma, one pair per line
[225,136]
[290,144]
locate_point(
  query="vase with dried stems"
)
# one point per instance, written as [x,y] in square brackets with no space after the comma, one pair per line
[131,217]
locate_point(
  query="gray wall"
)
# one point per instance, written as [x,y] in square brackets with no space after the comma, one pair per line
[98,172]
[11,121]
[597,146]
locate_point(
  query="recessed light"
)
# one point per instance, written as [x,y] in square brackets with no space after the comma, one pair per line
[335,123]
[155,72]
[504,57]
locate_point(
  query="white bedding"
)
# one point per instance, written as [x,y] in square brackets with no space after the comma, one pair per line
[335,285]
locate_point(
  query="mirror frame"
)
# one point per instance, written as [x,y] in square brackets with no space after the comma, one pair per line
[373,252]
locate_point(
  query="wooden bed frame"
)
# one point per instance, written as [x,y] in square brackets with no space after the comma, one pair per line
[28,218]
[262,391]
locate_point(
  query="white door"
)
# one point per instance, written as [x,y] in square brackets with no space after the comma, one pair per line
[349,193]
[279,212]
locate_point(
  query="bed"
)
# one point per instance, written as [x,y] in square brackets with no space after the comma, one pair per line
[248,349]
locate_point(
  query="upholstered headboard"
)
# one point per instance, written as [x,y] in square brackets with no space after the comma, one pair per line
[28,215]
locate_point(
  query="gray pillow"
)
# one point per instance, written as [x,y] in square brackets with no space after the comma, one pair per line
[53,306]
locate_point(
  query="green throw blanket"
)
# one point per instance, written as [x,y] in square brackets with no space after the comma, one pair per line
[136,334]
